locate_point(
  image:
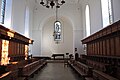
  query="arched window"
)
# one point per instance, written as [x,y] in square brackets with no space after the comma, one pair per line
[87,15]
[27,22]
[106,12]
[57,31]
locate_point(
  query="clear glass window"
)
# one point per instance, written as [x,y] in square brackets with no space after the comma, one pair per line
[6,13]
[27,22]
[3,11]
[87,14]
[106,12]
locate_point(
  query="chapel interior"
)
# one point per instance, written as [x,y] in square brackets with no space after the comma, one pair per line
[59,39]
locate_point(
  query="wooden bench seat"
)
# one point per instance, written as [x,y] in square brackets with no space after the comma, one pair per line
[11,75]
[99,75]
[5,76]
[82,69]
[79,71]
[29,69]
[89,78]
[21,78]
[97,65]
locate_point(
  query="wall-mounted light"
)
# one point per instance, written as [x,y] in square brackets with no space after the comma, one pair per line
[30,41]
[10,33]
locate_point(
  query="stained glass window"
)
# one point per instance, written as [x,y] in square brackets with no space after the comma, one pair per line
[57,31]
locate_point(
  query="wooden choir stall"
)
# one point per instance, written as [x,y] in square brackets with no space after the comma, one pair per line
[14,58]
[102,59]
[103,52]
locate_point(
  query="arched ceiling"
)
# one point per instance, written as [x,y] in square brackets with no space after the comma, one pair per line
[70,10]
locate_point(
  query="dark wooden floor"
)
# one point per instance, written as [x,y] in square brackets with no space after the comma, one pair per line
[56,71]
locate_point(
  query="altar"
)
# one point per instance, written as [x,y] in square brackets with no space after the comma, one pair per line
[55,55]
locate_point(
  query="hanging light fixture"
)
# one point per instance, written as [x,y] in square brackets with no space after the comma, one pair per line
[57,33]
[57,29]
[52,3]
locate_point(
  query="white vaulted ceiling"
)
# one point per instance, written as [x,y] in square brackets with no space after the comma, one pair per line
[71,10]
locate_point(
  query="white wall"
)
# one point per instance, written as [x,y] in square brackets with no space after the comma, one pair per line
[95,15]
[116,10]
[78,36]
[8,13]
[0,7]
[18,16]
[72,12]
[48,44]
[36,47]
[30,4]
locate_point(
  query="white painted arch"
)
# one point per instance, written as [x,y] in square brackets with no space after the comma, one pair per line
[49,17]
[48,46]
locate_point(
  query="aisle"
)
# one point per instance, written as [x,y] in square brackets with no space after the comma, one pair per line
[56,71]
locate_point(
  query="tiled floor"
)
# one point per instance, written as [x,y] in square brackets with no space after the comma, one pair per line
[56,71]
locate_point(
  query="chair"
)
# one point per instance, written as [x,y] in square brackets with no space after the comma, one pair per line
[66,59]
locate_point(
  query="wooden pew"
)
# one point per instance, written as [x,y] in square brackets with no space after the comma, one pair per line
[21,71]
[11,75]
[11,71]
[89,78]
[29,69]
[14,76]
[99,75]
[97,65]
[5,76]
[82,69]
